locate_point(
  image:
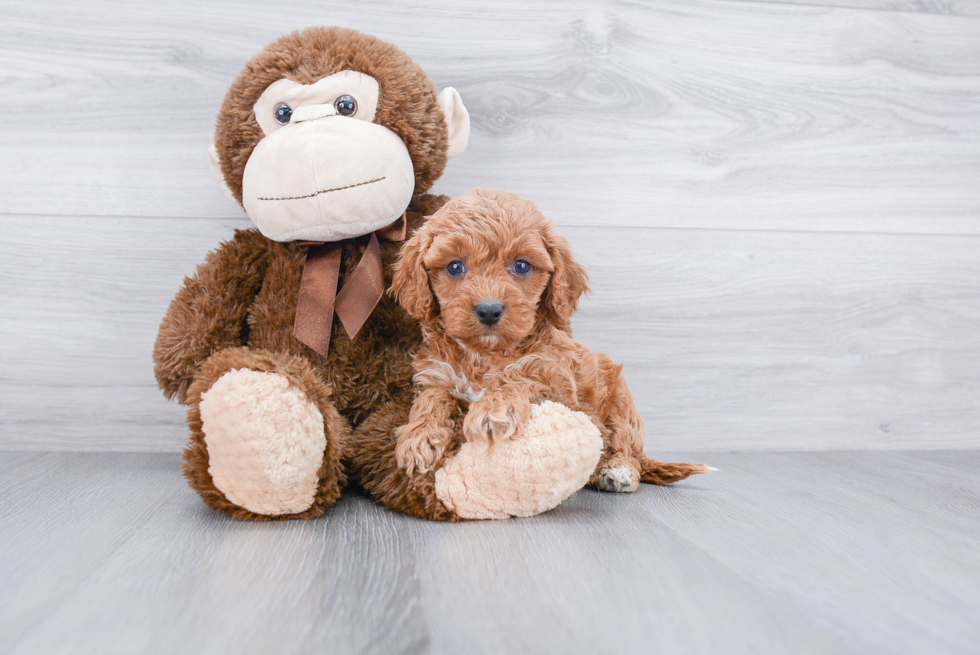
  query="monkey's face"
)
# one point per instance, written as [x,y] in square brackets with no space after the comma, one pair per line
[324,171]
[328,133]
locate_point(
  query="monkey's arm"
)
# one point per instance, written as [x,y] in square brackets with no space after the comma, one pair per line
[209,312]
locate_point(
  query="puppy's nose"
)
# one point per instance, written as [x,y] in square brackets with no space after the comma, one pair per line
[489,312]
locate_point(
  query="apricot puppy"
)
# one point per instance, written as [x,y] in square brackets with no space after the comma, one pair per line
[495,288]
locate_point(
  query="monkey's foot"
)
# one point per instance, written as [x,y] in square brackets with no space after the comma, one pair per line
[265,442]
[526,475]
[265,436]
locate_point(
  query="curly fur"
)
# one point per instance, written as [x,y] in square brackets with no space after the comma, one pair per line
[374,465]
[528,357]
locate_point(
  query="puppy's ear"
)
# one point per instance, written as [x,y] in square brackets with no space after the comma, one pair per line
[410,281]
[567,284]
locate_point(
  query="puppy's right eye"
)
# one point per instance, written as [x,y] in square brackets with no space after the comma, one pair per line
[455,269]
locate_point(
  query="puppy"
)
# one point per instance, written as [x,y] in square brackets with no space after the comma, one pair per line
[494,289]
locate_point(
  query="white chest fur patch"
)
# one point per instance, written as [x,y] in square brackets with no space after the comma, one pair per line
[443,376]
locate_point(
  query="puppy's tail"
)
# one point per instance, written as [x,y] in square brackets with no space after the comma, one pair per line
[655,472]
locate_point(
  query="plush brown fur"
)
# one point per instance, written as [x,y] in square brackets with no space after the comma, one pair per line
[237,311]
[301,376]
[495,373]
[373,464]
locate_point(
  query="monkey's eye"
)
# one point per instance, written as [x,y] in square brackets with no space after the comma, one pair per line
[282,113]
[345,105]
[455,269]
[521,267]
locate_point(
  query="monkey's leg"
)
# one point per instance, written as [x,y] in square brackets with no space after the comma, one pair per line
[265,437]
[525,475]
[372,462]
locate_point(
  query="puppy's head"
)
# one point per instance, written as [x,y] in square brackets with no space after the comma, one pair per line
[485,269]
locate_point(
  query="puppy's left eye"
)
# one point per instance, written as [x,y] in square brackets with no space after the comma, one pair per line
[521,267]
[455,269]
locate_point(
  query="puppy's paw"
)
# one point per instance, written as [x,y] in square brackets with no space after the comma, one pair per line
[495,417]
[418,448]
[619,479]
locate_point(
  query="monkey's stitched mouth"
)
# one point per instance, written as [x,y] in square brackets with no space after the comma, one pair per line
[340,188]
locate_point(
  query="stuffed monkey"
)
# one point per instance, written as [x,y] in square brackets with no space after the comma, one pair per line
[283,344]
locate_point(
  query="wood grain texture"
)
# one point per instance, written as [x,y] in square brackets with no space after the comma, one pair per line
[674,113]
[765,194]
[776,553]
[745,340]
[731,339]
[942,7]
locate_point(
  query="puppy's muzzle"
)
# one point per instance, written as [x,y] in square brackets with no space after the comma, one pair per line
[489,312]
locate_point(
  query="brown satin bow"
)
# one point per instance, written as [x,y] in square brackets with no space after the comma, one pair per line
[318,297]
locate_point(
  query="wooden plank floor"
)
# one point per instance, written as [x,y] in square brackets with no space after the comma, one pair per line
[835,552]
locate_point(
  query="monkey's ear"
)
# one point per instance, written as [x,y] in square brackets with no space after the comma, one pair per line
[457,120]
[216,171]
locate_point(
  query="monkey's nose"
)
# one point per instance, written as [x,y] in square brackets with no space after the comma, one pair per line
[311,113]
[489,312]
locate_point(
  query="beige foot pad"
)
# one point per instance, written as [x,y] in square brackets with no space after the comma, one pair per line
[527,475]
[265,442]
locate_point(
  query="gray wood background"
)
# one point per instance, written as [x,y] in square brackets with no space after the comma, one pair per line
[779,202]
